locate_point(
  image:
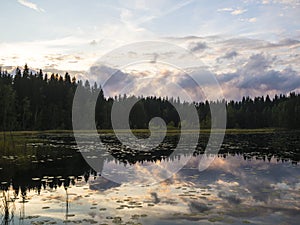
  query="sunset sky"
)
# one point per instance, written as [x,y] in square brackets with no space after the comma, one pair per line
[251,46]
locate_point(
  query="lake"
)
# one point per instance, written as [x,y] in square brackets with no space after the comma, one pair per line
[254,179]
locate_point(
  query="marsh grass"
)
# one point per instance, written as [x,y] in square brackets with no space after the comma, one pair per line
[24,134]
[7,208]
[16,146]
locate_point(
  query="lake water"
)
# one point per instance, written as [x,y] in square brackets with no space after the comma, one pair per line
[254,179]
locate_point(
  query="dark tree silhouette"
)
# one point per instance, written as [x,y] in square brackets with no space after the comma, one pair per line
[36,101]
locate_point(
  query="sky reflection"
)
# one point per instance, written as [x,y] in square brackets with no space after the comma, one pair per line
[232,190]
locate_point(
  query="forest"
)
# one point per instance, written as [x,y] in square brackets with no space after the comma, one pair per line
[38,101]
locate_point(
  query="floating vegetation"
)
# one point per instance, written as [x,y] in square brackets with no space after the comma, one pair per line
[57,178]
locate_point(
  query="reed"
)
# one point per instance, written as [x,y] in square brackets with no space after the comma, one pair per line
[7,208]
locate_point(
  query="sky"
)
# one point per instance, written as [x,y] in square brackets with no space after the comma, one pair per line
[252,47]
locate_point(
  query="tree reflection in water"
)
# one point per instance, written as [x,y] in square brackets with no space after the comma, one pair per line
[58,164]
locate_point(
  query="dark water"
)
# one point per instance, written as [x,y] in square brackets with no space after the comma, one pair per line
[254,179]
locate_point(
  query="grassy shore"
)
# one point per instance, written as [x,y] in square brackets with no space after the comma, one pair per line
[170,131]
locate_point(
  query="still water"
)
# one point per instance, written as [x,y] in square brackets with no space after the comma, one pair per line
[254,179]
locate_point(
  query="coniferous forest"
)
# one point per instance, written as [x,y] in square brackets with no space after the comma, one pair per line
[36,101]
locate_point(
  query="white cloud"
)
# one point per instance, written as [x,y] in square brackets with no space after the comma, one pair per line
[284,2]
[225,10]
[232,11]
[135,19]
[31,5]
[238,12]
[252,20]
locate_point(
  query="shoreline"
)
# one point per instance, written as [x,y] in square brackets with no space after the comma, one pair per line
[171,131]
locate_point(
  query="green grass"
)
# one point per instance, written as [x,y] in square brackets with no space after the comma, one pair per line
[21,134]
[176,131]
[246,131]
[16,143]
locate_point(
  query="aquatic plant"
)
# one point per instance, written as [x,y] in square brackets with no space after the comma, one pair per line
[7,208]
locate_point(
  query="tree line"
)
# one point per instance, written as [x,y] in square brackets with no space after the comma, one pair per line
[38,101]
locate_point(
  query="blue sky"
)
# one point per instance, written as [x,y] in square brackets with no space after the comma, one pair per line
[36,20]
[61,35]
[43,20]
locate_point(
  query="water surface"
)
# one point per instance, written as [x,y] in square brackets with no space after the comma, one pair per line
[254,179]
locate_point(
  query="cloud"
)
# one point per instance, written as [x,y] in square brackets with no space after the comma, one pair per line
[101,183]
[288,42]
[238,12]
[252,20]
[232,11]
[228,55]
[258,63]
[232,199]
[283,81]
[225,10]
[242,66]
[31,5]
[111,79]
[197,46]
[244,43]
[257,75]
[130,18]
[283,2]
[198,207]
[93,42]
[149,83]
[224,78]
[250,44]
